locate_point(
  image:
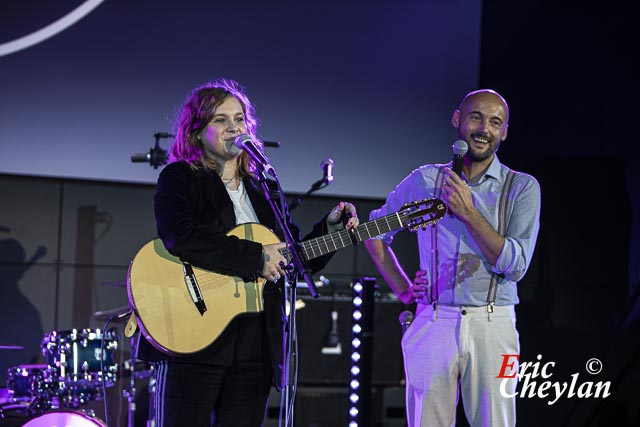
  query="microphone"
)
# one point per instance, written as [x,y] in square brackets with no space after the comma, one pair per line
[460,148]
[140,157]
[327,170]
[155,157]
[245,142]
[405,319]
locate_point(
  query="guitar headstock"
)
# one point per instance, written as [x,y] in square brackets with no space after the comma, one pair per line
[422,213]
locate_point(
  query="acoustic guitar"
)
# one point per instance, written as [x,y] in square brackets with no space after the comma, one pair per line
[182,309]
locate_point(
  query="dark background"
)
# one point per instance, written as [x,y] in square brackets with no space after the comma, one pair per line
[566,70]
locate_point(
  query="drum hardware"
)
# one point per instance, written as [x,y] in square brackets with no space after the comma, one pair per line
[81,363]
[130,392]
[102,316]
[77,357]
[33,387]
[137,369]
[22,379]
[116,314]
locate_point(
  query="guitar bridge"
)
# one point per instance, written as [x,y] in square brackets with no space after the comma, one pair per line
[193,288]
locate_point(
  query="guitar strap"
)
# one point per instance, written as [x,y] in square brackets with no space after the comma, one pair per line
[502,220]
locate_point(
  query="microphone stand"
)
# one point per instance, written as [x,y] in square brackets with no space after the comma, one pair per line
[318,185]
[130,393]
[299,268]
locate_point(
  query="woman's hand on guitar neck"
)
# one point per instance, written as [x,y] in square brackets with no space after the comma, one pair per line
[273,261]
[342,215]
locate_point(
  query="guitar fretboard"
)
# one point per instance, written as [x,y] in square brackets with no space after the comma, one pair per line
[314,248]
[413,215]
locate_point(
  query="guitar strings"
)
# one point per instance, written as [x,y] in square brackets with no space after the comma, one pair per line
[217,284]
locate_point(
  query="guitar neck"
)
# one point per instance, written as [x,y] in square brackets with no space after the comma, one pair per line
[314,248]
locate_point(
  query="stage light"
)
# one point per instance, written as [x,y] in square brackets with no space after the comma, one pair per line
[361,351]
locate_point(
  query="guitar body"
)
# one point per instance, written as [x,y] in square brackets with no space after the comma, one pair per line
[165,311]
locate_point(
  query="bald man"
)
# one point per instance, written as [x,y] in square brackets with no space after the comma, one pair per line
[470,263]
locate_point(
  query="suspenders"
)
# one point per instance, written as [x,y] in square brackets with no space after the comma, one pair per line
[502,221]
[434,294]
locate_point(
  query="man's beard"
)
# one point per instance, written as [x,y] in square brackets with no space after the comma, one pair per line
[479,157]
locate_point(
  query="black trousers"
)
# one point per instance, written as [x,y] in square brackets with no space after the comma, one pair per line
[233,392]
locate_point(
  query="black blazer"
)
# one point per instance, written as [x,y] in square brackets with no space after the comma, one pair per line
[193,214]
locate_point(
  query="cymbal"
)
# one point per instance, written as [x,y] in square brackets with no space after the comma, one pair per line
[5,346]
[103,315]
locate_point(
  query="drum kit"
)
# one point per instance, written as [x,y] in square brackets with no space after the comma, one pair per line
[80,365]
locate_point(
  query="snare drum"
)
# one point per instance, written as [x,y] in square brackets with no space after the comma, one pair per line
[65,419]
[75,355]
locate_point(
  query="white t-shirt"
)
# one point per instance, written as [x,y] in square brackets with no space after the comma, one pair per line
[242,205]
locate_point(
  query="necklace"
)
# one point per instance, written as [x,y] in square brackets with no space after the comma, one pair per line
[228,181]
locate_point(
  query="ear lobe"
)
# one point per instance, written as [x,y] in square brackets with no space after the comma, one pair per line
[505,132]
[455,119]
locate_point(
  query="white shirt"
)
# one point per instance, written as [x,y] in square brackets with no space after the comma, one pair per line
[242,205]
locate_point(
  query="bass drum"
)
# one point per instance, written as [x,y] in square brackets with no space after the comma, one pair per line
[65,419]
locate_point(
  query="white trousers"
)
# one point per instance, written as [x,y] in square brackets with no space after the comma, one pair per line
[462,348]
